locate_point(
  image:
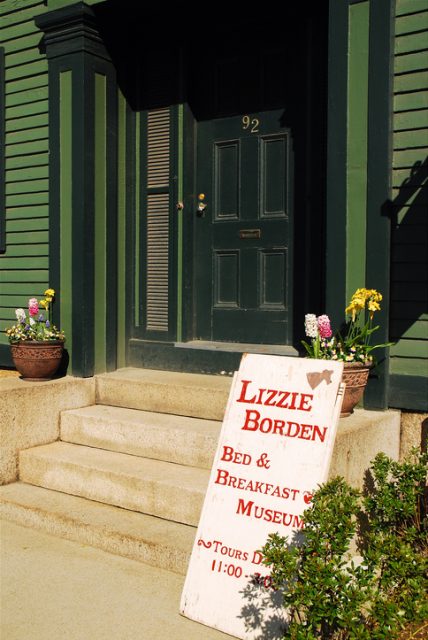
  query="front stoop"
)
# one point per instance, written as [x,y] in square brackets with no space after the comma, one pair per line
[129,474]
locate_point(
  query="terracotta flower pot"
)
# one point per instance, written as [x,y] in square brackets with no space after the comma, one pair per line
[355,376]
[37,360]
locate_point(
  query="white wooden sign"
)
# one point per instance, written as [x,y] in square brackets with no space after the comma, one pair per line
[274,449]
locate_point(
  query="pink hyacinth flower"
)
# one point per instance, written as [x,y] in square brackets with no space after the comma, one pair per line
[33,307]
[324,326]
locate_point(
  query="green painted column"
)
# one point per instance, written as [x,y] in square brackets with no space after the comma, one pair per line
[356,170]
[66,208]
[83,186]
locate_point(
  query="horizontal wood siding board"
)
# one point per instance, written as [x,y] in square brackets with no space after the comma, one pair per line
[23,289]
[411,120]
[25,70]
[28,173]
[24,96]
[410,42]
[408,62]
[24,110]
[10,6]
[26,186]
[409,272]
[26,123]
[411,23]
[24,263]
[400,178]
[22,162]
[18,30]
[26,85]
[24,237]
[407,158]
[417,331]
[410,349]
[407,101]
[409,291]
[19,213]
[415,139]
[38,224]
[407,311]
[408,392]
[24,42]
[37,133]
[404,7]
[410,82]
[18,275]
[27,199]
[28,250]
[25,148]
[409,366]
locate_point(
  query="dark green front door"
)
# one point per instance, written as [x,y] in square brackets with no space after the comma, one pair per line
[242,266]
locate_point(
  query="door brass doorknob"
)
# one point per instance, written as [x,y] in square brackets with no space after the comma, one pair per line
[201,204]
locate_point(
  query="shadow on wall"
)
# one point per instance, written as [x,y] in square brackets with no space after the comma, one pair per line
[424,435]
[409,250]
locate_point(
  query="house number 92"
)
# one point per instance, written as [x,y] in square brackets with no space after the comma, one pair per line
[250,123]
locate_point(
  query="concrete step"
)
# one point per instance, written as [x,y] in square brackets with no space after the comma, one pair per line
[183,394]
[178,439]
[154,541]
[154,487]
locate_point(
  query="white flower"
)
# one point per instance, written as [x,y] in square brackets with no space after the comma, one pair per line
[20,315]
[311,325]
[32,321]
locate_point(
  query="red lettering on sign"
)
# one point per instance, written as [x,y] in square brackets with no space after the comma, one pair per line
[276,398]
[254,422]
[250,509]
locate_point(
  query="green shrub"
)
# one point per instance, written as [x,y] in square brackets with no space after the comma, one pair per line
[328,594]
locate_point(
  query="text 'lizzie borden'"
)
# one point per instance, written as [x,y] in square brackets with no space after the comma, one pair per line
[289,400]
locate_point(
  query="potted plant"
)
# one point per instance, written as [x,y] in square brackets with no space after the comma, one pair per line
[36,343]
[352,346]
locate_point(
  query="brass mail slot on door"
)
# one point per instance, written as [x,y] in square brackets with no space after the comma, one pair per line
[249,234]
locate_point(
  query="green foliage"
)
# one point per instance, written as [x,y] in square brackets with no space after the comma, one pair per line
[330,597]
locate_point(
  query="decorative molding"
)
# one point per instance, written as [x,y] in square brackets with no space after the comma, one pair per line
[72,29]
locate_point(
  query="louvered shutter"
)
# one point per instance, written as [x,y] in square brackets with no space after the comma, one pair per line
[157,222]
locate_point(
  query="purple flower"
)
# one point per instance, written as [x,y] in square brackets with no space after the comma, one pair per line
[48,324]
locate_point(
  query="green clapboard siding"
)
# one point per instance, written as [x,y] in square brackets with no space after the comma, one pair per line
[409,6]
[417,331]
[24,267]
[17,213]
[25,161]
[37,133]
[412,23]
[409,288]
[409,367]
[27,84]
[28,173]
[410,119]
[410,42]
[411,62]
